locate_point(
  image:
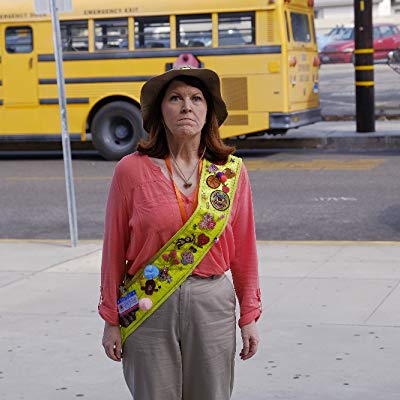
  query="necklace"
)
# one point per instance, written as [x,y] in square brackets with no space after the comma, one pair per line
[187,183]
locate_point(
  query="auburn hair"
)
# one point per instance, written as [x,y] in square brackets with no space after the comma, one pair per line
[156,144]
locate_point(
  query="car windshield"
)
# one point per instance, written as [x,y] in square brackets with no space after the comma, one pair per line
[346,34]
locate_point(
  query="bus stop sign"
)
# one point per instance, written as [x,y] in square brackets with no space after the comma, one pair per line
[43,6]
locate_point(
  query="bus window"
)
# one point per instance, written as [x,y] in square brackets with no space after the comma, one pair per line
[194,30]
[152,32]
[236,29]
[300,27]
[111,34]
[19,39]
[74,35]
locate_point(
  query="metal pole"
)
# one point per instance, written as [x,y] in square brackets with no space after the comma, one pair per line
[66,145]
[364,66]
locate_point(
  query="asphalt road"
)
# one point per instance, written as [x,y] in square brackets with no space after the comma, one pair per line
[297,196]
[337,91]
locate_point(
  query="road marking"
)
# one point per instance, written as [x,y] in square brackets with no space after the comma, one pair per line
[341,94]
[343,103]
[314,165]
[57,178]
[334,199]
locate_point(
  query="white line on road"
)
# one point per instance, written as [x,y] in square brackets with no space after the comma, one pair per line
[337,102]
[334,199]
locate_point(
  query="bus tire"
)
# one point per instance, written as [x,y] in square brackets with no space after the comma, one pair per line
[116,130]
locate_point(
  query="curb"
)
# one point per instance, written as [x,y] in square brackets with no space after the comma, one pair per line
[333,143]
[351,117]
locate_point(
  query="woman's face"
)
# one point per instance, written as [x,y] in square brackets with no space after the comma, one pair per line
[184,110]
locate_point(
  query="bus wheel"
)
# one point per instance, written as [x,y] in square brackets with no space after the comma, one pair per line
[275,132]
[117,129]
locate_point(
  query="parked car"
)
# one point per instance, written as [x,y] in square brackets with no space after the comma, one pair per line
[332,35]
[386,37]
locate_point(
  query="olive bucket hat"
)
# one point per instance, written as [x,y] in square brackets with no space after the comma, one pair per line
[154,86]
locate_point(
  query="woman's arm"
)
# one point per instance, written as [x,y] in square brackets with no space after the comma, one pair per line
[116,240]
[244,267]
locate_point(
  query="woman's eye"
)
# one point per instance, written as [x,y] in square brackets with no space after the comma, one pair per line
[174,98]
[197,98]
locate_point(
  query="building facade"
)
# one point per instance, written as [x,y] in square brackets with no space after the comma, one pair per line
[331,13]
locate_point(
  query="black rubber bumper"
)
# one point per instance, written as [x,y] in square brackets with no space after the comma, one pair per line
[294,119]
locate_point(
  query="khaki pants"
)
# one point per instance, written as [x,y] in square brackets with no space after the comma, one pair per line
[186,349]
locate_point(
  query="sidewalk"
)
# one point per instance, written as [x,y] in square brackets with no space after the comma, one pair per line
[334,136]
[330,328]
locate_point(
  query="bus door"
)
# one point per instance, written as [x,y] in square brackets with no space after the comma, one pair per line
[302,72]
[19,67]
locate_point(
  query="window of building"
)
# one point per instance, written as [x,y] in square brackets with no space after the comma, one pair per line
[236,29]
[194,30]
[111,34]
[19,39]
[300,27]
[74,36]
[152,32]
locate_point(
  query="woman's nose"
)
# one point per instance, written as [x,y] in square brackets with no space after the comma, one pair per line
[186,105]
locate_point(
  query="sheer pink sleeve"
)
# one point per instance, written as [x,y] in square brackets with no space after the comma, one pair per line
[244,266]
[116,241]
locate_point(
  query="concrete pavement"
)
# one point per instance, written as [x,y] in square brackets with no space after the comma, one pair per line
[330,136]
[330,328]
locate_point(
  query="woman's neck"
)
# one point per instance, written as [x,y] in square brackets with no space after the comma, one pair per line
[186,151]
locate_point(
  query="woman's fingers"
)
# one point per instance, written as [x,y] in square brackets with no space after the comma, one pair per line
[112,342]
[246,347]
[251,350]
[112,353]
[250,340]
[118,350]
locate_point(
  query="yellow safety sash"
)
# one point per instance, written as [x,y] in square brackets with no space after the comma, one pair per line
[144,293]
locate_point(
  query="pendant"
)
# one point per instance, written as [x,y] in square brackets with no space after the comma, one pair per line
[187,185]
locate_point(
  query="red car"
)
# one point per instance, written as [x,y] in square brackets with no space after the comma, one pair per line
[386,38]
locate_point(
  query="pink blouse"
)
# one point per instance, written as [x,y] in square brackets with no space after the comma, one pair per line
[143,214]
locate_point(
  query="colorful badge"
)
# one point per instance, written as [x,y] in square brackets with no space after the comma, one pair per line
[213,182]
[202,240]
[220,200]
[187,258]
[229,173]
[208,222]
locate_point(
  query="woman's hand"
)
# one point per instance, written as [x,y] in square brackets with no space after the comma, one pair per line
[112,341]
[250,340]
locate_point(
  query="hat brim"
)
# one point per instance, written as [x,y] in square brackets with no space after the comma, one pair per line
[154,86]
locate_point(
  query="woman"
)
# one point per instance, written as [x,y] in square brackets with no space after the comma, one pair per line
[181,192]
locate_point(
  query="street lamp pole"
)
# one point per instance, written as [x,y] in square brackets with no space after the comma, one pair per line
[364,66]
[66,145]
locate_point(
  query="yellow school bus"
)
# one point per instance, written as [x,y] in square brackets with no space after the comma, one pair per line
[265,52]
